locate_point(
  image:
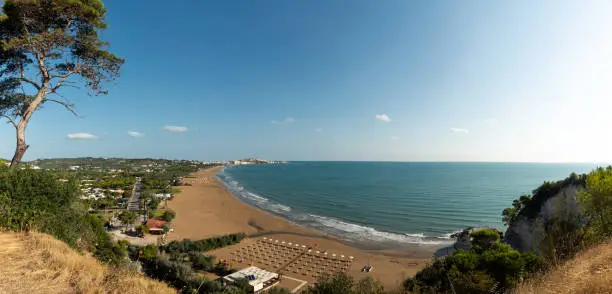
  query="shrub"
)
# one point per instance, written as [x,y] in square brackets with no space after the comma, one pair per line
[496,266]
[200,261]
[148,252]
[188,245]
[168,215]
[142,229]
[39,199]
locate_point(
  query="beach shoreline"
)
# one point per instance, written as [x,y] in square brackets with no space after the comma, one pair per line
[207,208]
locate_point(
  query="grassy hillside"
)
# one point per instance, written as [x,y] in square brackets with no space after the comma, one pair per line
[590,272]
[38,263]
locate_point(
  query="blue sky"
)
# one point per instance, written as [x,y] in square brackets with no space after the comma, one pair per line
[345,80]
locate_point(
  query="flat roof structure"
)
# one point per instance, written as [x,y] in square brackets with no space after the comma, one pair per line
[260,279]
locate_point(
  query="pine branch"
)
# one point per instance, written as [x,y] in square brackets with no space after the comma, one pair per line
[67,105]
[10,119]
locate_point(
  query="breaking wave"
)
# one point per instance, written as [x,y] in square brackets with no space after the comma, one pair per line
[342,229]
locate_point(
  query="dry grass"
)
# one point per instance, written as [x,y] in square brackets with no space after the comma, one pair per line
[38,263]
[589,273]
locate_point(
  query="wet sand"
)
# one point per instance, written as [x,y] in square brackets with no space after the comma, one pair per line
[207,209]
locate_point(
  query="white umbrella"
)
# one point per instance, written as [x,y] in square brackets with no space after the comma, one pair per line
[283,242]
[351,257]
[318,251]
[334,255]
[303,246]
[290,244]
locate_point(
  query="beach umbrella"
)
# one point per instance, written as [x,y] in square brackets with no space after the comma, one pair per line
[283,242]
[303,246]
[341,256]
[265,238]
[318,251]
[290,244]
[351,257]
[325,253]
[334,255]
[309,250]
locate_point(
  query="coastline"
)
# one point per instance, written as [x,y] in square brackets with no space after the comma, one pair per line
[207,209]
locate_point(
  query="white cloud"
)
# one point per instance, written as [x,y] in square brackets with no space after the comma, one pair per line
[81,136]
[383,117]
[286,121]
[175,129]
[459,130]
[136,134]
[319,130]
[394,138]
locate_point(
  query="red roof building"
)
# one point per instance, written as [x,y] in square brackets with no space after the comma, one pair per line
[155,223]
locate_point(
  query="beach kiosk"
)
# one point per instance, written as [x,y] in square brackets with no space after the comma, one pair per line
[259,279]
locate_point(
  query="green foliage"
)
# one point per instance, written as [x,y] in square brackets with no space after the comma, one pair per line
[529,207]
[39,199]
[127,217]
[200,261]
[480,270]
[343,283]
[203,245]
[596,203]
[142,229]
[148,252]
[33,197]
[484,239]
[168,215]
[279,290]
[123,182]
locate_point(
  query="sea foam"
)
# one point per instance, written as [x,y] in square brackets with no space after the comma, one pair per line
[339,228]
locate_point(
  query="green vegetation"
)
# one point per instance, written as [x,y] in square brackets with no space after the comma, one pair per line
[37,200]
[168,215]
[343,283]
[529,206]
[127,217]
[488,265]
[45,46]
[203,245]
[177,263]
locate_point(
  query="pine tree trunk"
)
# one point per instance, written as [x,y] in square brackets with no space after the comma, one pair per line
[21,145]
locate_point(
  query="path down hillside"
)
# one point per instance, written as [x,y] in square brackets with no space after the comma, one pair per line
[38,263]
[588,273]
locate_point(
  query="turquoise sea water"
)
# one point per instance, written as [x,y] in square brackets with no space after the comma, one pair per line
[390,203]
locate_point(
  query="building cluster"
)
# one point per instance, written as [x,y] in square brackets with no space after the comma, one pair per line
[253,161]
[98,193]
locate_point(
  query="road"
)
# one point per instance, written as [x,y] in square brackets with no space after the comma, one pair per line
[133,204]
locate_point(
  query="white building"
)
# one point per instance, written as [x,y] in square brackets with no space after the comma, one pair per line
[162,196]
[259,279]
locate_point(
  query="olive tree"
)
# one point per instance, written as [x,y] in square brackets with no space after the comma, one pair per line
[47,45]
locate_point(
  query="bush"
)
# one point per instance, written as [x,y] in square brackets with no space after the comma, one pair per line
[188,245]
[343,283]
[200,261]
[495,267]
[148,252]
[142,229]
[37,198]
[168,215]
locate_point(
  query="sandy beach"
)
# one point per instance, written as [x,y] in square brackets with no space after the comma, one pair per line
[207,209]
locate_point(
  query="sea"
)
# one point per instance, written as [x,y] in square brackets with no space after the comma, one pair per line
[391,204]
